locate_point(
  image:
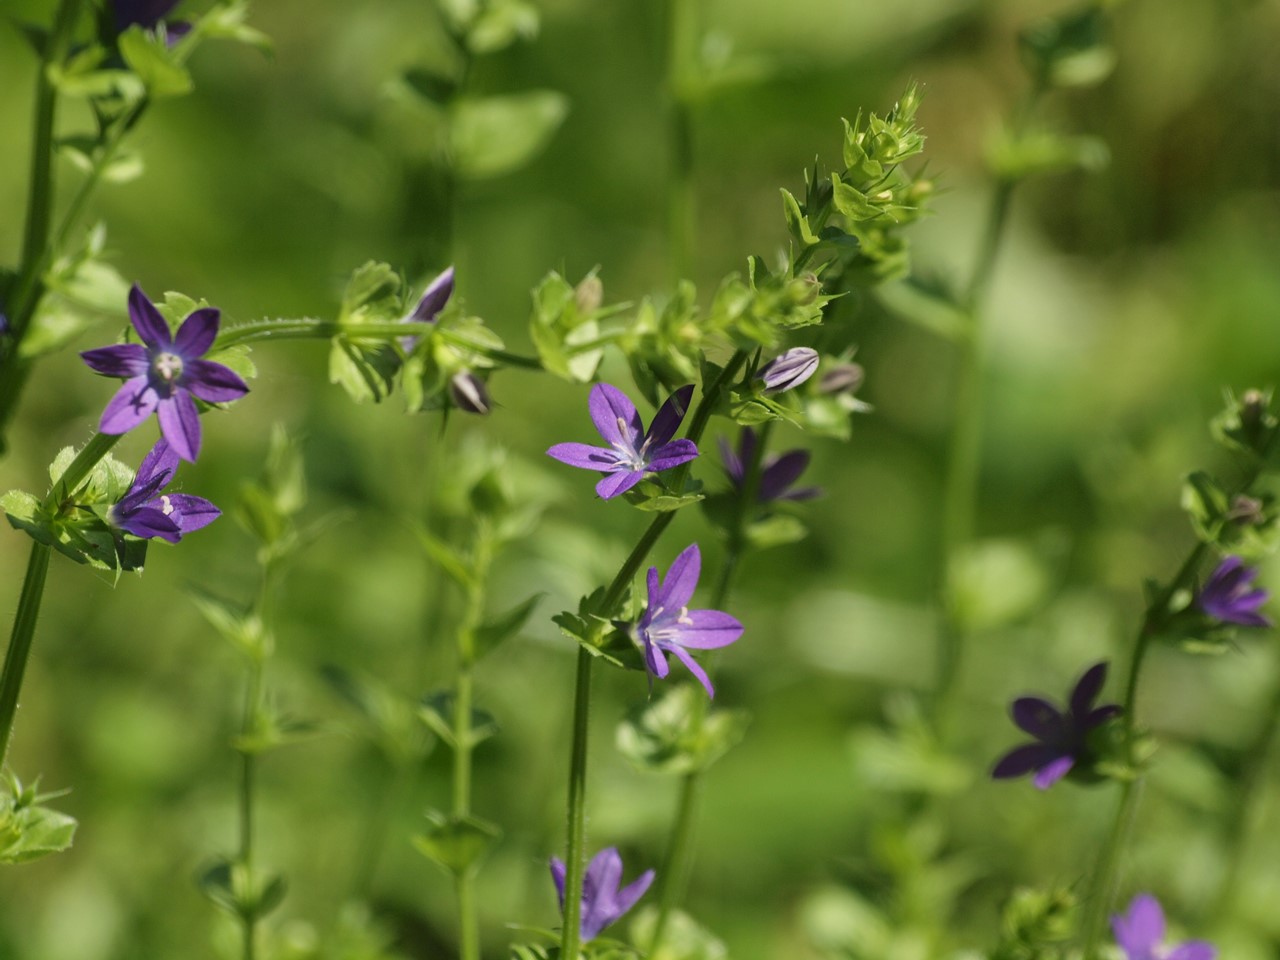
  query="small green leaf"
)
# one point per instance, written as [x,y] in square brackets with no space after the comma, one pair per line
[236,624]
[436,711]
[683,937]
[500,24]
[493,632]
[456,843]
[676,732]
[233,887]
[449,560]
[364,369]
[29,830]
[493,136]
[148,56]
[226,21]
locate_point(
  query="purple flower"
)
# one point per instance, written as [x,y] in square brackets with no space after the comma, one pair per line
[1140,934]
[632,453]
[164,373]
[148,14]
[146,512]
[1228,595]
[777,471]
[1063,738]
[669,626]
[789,370]
[602,901]
[430,304]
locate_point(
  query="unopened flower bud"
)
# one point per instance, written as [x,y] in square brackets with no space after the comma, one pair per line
[805,288]
[589,294]
[1253,407]
[841,379]
[469,393]
[789,370]
[1246,511]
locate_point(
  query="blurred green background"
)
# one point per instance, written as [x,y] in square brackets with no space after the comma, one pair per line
[1124,303]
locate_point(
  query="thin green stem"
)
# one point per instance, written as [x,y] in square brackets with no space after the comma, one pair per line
[570,938]
[24,629]
[682,40]
[90,455]
[248,770]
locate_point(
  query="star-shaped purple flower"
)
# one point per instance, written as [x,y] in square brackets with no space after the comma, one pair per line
[669,626]
[1062,738]
[146,512]
[1140,934]
[632,453]
[1228,595]
[777,471]
[602,901]
[164,373]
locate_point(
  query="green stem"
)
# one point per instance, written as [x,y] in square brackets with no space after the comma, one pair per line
[674,876]
[571,936]
[24,629]
[90,455]
[682,39]
[306,328]
[964,458]
[248,769]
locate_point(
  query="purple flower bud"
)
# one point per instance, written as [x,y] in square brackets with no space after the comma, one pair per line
[842,378]
[149,14]
[789,370]
[1228,595]
[469,393]
[603,898]
[430,304]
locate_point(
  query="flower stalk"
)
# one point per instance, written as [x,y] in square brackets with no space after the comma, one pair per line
[24,629]
[682,42]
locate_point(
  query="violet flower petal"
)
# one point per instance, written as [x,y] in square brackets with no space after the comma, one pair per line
[121,360]
[630,895]
[1140,930]
[781,473]
[680,582]
[1035,716]
[192,512]
[1053,771]
[132,403]
[1020,761]
[433,298]
[695,668]
[213,382]
[584,455]
[672,454]
[617,483]
[147,320]
[197,333]
[732,465]
[615,416]
[149,522]
[180,424]
[669,417]
[1194,950]
[789,370]
[557,877]
[708,629]
[1087,689]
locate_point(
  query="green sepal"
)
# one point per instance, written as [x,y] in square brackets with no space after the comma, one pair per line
[683,937]
[677,733]
[148,56]
[560,321]
[653,495]
[599,635]
[797,221]
[226,21]
[1248,425]
[456,843]
[30,830]
[391,719]
[1206,504]
[505,625]
[1072,49]
[500,24]
[493,136]
[231,885]
[436,711]
[365,369]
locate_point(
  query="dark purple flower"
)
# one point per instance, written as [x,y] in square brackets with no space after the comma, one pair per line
[148,14]
[430,304]
[777,471]
[164,373]
[1228,595]
[632,452]
[1140,934]
[669,626]
[789,370]
[469,393]
[146,512]
[602,901]
[1062,738]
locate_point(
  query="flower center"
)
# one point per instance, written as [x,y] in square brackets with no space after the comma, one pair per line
[167,507]
[636,460]
[167,366]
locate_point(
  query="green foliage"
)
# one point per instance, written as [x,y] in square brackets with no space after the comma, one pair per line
[437,712]
[154,63]
[246,893]
[1072,49]
[29,830]
[565,319]
[494,136]
[683,938]
[80,290]
[457,844]
[676,733]
[389,719]
[1016,156]
[1036,925]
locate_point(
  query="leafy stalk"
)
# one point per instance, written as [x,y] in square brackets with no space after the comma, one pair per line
[24,629]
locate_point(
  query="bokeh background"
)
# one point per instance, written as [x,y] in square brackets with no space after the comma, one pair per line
[1125,302]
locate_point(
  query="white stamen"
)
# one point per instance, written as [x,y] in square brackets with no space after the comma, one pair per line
[168,505]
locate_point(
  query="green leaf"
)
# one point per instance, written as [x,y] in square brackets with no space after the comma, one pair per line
[238,625]
[236,358]
[436,711]
[226,21]
[233,887]
[797,222]
[150,58]
[652,495]
[683,937]
[271,731]
[365,370]
[775,530]
[494,136]
[1070,50]
[29,831]
[456,843]
[1207,505]
[501,24]
[449,560]
[372,293]
[926,305]
[493,632]
[676,733]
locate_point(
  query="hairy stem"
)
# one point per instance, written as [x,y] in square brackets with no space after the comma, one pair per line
[248,770]
[24,629]
[570,938]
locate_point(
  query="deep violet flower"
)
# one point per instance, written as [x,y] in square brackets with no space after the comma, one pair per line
[602,901]
[789,370]
[777,471]
[430,304]
[164,373]
[1062,738]
[148,14]
[146,512]
[669,626]
[632,453]
[1140,934]
[1228,595]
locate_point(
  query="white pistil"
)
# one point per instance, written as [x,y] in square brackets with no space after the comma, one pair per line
[168,505]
